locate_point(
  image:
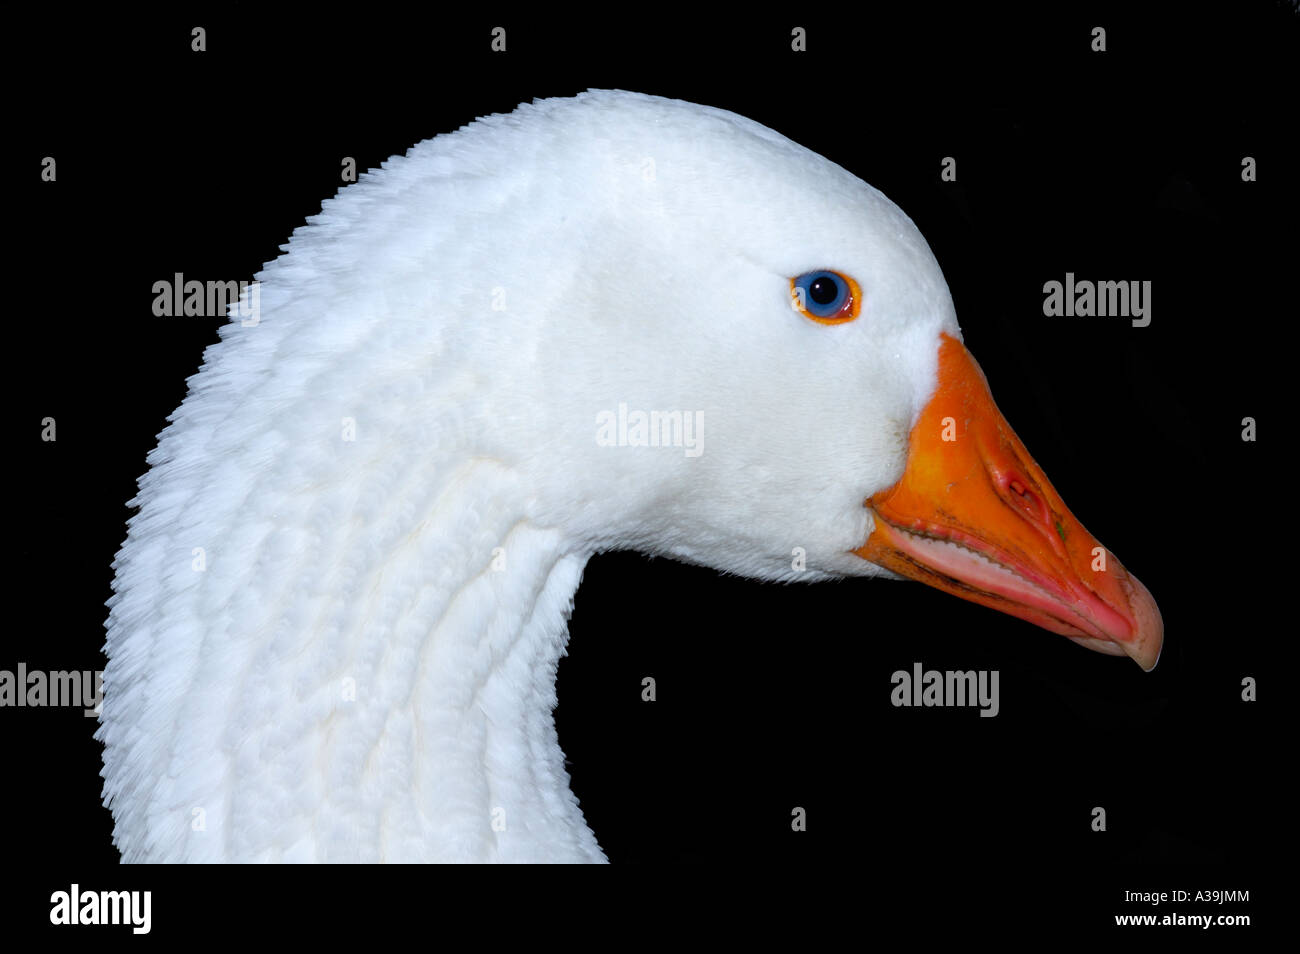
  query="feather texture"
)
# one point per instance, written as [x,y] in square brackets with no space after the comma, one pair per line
[339,608]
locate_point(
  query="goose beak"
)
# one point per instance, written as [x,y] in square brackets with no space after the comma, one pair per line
[975,516]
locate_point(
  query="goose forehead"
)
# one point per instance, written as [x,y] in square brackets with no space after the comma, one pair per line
[774,203]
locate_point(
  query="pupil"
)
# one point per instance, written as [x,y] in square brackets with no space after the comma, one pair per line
[823,291]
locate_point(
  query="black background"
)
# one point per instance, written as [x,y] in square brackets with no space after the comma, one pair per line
[1123,165]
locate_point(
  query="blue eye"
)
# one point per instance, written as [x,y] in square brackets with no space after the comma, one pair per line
[826,296]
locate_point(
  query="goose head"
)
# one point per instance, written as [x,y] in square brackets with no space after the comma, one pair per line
[613,321]
[797,318]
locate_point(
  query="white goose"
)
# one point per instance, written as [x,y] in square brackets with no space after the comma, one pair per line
[339,610]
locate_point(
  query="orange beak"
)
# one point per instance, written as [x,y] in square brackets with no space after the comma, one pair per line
[975,516]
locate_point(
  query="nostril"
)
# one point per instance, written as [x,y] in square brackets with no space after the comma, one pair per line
[1026,500]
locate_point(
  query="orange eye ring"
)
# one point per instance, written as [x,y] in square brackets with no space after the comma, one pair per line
[844,308]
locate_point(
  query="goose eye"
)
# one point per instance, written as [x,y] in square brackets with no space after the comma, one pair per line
[826,296]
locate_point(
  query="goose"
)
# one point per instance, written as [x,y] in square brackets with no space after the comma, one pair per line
[341,601]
